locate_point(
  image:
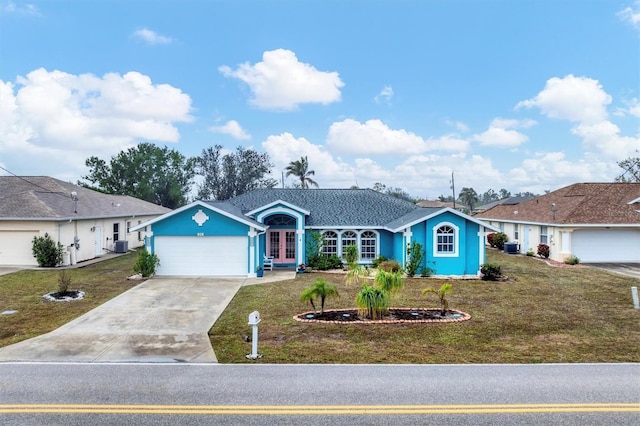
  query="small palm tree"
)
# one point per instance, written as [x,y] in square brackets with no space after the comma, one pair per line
[320,289]
[356,274]
[389,282]
[442,295]
[300,169]
[372,302]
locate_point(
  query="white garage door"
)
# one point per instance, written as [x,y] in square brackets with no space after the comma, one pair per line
[607,245]
[221,256]
[15,247]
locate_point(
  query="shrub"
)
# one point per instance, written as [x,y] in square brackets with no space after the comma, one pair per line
[490,239]
[390,266]
[351,254]
[146,263]
[416,254]
[322,262]
[491,272]
[426,272]
[356,274]
[530,252]
[377,261]
[499,239]
[543,251]
[573,260]
[47,252]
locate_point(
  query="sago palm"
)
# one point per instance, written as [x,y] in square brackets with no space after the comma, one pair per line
[320,289]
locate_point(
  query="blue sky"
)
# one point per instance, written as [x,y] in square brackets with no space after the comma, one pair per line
[522,95]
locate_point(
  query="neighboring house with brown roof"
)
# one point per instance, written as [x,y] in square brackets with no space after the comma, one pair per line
[597,222]
[86,222]
[440,204]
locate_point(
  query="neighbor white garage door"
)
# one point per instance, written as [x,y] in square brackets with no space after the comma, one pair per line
[606,245]
[15,247]
[221,256]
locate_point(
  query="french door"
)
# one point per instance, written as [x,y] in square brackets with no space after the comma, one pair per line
[281,245]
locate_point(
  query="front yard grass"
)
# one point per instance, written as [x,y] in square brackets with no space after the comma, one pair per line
[22,292]
[542,314]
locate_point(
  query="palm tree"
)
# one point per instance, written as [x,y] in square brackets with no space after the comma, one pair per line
[469,197]
[319,289]
[300,169]
[442,295]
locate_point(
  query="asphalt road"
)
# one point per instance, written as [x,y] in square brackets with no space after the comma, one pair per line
[153,394]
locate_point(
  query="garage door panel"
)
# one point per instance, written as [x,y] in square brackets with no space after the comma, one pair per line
[15,247]
[607,245]
[216,256]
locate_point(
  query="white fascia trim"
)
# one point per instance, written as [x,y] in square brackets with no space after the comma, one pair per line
[347,228]
[569,225]
[278,202]
[201,204]
[439,212]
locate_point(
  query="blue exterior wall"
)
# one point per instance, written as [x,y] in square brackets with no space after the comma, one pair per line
[466,262]
[419,235]
[386,244]
[182,224]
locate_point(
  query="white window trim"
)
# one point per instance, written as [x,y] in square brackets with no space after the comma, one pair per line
[377,252]
[456,233]
[322,232]
[357,238]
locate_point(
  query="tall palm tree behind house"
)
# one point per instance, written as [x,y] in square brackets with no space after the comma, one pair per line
[300,169]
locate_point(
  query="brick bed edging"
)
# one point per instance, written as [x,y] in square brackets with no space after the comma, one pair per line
[465,316]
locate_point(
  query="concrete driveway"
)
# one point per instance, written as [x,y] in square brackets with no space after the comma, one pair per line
[161,320]
[628,269]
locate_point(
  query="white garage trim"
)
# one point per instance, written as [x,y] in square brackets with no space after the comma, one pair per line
[15,247]
[606,245]
[202,256]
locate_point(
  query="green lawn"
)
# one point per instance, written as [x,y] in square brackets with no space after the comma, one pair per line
[22,291]
[542,314]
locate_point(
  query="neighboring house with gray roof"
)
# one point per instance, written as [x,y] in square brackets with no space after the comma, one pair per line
[597,222]
[86,222]
[233,237]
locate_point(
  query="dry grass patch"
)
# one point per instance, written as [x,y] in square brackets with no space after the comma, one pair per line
[542,314]
[22,291]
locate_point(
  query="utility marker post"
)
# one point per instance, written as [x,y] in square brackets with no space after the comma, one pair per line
[634,295]
[254,320]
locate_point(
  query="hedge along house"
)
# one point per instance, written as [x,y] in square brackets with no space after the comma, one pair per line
[233,237]
[87,223]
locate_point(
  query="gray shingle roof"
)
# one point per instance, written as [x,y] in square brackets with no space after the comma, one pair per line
[333,207]
[412,216]
[42,197]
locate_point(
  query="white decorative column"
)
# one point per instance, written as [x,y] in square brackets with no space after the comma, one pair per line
[407,234]
[481,247]
[253,235]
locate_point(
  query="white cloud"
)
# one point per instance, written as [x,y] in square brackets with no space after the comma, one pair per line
[373,137]
[571,98]
[233,129]
[282,82]
[458,125]
[583,100]
[52,121]
[631,14]
[25,9]
[632,108]
[499,133]
[385,95]
[151,37]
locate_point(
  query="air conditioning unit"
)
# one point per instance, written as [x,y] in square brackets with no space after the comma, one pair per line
[121,246]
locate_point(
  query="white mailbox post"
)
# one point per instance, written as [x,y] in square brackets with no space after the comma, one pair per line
[254,320]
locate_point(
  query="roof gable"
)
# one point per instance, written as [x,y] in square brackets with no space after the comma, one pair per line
[47,198]
[580,203]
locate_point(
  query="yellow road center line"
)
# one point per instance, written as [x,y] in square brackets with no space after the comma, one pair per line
[316,409]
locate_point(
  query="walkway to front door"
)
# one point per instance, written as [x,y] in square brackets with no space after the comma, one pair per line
[281,245]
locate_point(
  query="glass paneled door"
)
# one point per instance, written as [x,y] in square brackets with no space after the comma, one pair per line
[281,245]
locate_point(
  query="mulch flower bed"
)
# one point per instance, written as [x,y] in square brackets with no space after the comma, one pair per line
[395,315]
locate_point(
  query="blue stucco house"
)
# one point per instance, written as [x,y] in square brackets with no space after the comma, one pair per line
[232,237]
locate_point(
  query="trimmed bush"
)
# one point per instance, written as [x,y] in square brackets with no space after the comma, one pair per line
[491,272]
[573,260]
[499,239]
[390,266]
[543,251]
[48,253]
[146,263]
[530,252]
[490,239]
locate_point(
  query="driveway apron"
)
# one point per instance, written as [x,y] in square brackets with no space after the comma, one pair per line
[164,319]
